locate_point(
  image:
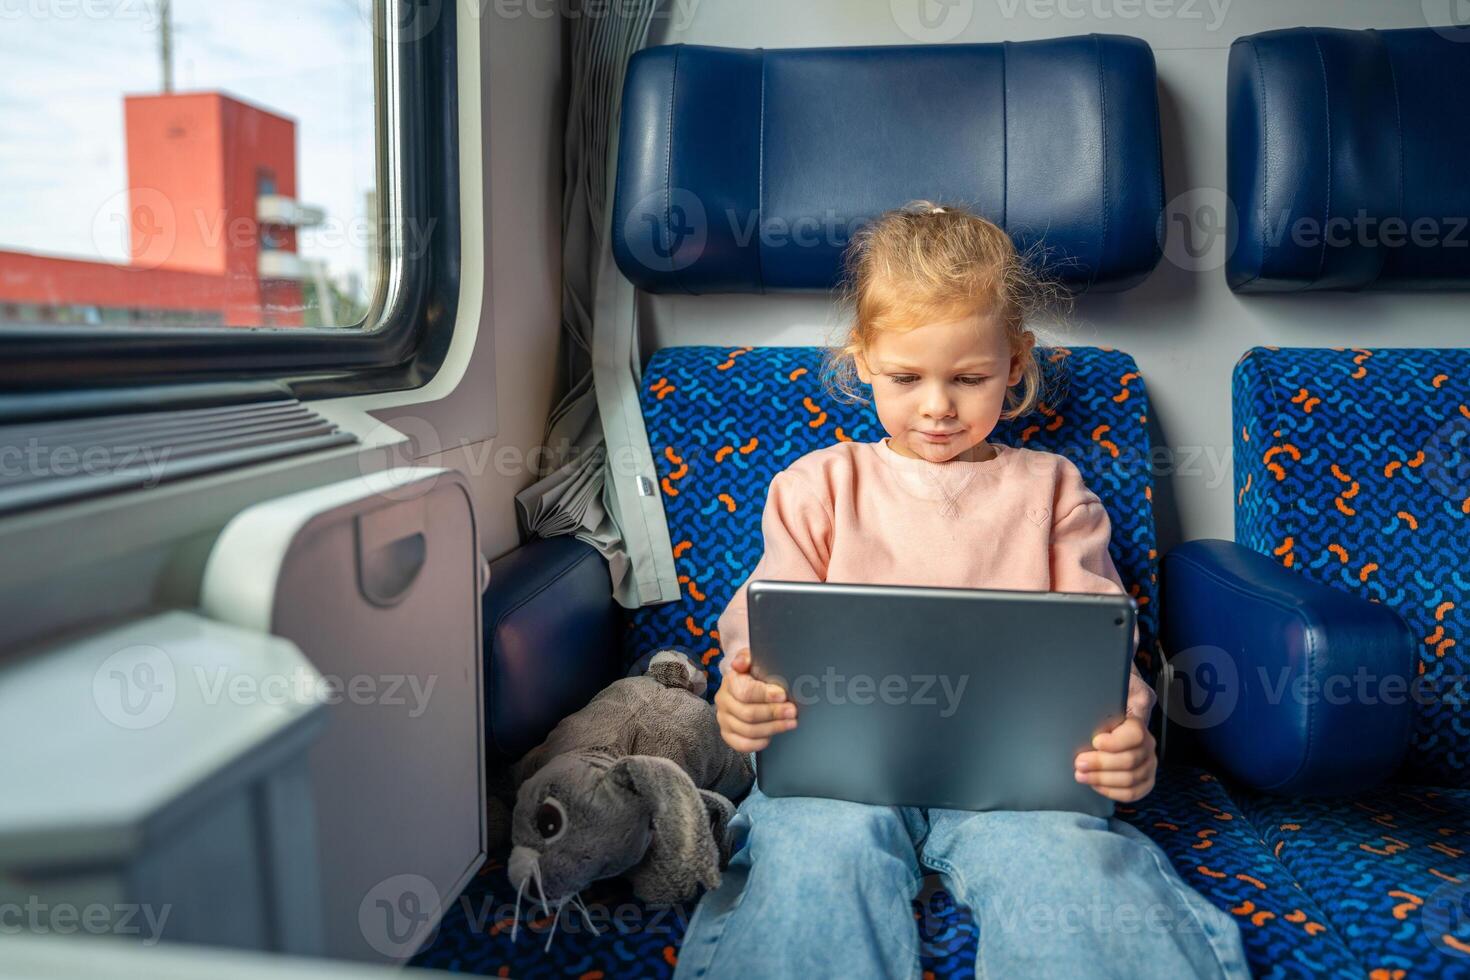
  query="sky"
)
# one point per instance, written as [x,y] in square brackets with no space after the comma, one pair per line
[68,64]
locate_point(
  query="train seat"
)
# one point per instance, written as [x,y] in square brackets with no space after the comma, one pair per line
[1352,476]
[720,150]
[1352,486]
[723,421]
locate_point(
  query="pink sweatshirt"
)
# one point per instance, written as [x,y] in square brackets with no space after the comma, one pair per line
[859,512]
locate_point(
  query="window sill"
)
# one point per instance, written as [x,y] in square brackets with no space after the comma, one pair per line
[104,558]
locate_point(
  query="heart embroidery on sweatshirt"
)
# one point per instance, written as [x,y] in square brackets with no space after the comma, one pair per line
[1038,515]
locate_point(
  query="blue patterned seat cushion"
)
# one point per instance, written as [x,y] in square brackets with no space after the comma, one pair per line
[723,421]
[1218,852]
[1391,869]
[1352,467]
[1188,813]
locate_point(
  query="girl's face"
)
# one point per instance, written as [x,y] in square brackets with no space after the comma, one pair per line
[940,388]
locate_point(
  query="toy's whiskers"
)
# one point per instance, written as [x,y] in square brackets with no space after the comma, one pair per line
[577,900]
[541,890]
[516,921]
[550,935]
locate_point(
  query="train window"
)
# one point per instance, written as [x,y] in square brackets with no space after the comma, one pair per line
[183,179]
[190,159]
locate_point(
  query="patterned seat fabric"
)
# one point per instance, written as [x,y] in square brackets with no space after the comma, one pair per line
[722,422]
[1205,835]
[1353,466]
[1391,870]
[1219,853]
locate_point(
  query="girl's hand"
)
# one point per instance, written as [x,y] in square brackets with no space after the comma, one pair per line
[1124,764]
[750,711]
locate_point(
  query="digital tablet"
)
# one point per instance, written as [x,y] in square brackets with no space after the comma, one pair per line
[971,699]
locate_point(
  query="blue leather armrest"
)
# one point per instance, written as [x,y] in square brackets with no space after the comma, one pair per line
[551,628]
[1292,686]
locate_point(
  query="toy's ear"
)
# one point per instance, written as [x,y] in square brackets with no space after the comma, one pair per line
[529,764]
[682,853]
[674,668]
[622,777]
[720,811]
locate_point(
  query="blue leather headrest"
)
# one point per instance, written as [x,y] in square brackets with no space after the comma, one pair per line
[748,170]
[1347,157]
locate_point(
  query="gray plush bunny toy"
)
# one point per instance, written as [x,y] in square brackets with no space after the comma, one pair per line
[637,783]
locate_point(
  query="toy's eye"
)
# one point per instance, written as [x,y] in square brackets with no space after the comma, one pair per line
[549,819]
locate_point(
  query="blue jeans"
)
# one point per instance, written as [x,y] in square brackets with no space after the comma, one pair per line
[823,888]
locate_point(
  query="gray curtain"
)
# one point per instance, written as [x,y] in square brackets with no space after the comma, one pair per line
[613,506]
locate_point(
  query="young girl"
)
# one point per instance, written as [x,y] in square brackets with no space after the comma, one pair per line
[822,887]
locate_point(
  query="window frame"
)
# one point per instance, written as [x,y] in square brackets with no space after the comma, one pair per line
[416,300]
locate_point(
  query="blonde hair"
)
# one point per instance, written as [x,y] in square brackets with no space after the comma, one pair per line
[927,263]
